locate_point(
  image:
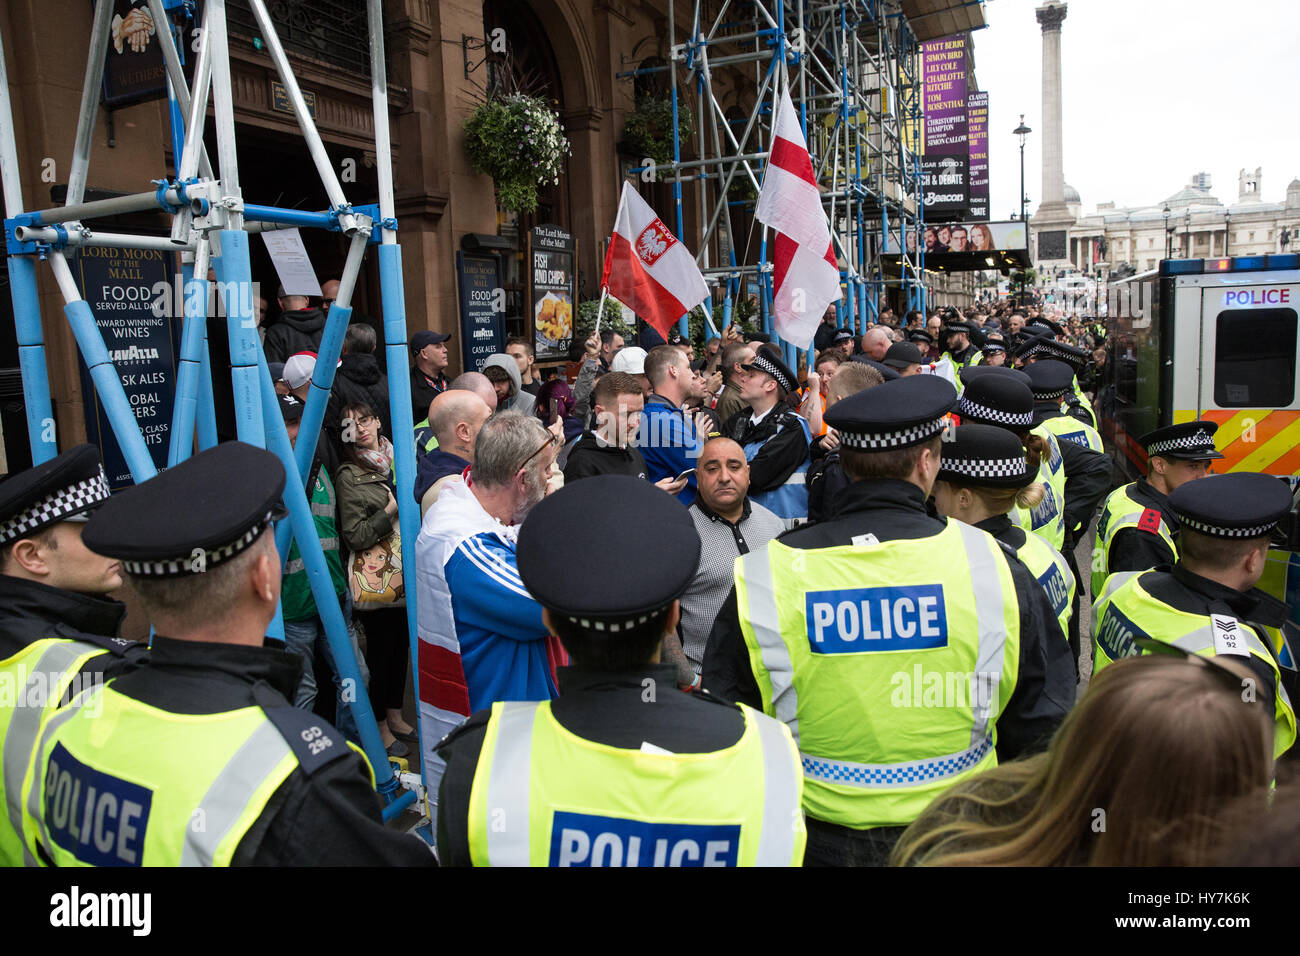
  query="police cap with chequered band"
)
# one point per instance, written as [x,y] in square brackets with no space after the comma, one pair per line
[765,361]
[65,488]
[975,371]
[897,414]
[1240,504]
[1188,441]
[887,373]
[1046,347]
[997,399]
[920,335]
[992,346]
[1050,379]
[646,546]
[193,516]
[985,456]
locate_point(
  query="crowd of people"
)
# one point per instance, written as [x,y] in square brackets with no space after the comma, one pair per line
[849,589]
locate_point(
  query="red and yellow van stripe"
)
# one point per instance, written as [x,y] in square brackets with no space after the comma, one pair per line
[1272,446]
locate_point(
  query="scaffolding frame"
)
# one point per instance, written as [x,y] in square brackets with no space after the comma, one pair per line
[211,224]
[853,71]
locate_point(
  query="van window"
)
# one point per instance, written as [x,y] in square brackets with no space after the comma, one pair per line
[1255,358]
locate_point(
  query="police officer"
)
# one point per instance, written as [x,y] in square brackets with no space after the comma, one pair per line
[983,474]
[961,351]
[622,769]
[1046,346]
[841,630]
[1001,397]
[59,630]
[1051,382]
[1208,603]
[994,351]
[924,341]
[1137,530]
[775,437]
[198,758]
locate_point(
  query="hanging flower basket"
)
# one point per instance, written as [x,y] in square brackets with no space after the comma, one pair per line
[519,142]
[648,130]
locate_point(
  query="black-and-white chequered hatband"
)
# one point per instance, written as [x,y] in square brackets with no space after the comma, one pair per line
[1201,440]
[612,626]
[1256,531]
[765,364]
[968,409]
[59,506]
[902,438]
[986,467]
[1048,396]
[199,560]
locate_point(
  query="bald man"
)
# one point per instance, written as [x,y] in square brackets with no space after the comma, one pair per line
[729,524]
[876,342]
[455,416]
[426,440]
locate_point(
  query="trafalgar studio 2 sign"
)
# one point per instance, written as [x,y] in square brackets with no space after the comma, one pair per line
[130,293]
[945,160]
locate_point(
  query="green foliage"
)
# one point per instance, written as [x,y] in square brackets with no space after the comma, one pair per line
[519,142]
[648,130]
[585,323]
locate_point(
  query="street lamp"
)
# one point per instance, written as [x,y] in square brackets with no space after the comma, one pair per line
[1023,132]
[1169,235]
[1187,222]
[1227,232]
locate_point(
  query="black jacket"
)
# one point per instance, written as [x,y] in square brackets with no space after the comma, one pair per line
[297,331]
[1087,477]
[893,510]
[1133,549]
[608,708]
[330,817]
[825,480]
[358,380]
[31,611]
[784,446]
[422,393]
[590,457]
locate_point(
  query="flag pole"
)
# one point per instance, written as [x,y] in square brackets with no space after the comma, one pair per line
[600,309]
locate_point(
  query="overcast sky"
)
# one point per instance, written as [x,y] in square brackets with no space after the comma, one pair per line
[1153,91]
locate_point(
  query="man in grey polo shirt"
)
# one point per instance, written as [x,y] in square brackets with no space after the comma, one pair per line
[729,524]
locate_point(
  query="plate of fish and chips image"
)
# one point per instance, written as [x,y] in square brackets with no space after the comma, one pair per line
[553,319]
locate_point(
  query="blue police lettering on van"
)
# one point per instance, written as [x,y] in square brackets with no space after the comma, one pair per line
[1058,594]
[854,620]
[584,839]
[97,818]
[1116,634]
[1045,512]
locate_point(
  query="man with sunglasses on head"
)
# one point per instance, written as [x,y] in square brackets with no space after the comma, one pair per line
[481,632]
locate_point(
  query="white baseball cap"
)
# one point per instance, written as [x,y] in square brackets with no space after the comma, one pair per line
[630,360]
[298,369]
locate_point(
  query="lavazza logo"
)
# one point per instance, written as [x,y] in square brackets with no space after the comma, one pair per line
[654,241]
[133,354]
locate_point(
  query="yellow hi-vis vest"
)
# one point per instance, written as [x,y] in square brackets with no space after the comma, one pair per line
[1067,428]
[1120,511]
[38,676]
[1052,571]
[543,796]
[1126,611]
[122,783]
[892,691]
[1047,520]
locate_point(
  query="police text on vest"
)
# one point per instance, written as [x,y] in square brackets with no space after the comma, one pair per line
[582,839]
[856,620]
[98,818]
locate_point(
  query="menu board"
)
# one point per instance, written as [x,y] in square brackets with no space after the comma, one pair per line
[551,291]
[482,309]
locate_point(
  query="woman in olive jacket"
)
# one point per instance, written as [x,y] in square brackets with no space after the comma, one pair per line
[367,509]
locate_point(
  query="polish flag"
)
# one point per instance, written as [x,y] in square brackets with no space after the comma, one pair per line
[648,269]
[806,277]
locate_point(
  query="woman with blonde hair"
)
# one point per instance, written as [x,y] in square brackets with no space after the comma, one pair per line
[1140,774]
[986,471]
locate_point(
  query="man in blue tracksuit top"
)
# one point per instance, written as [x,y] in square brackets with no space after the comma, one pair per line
[669,438]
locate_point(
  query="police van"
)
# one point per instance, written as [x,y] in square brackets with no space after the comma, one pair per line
[1215,339]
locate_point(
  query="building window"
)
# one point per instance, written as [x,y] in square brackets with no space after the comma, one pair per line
[332,31]
[1252,237]
[1151,243]
[1255,358]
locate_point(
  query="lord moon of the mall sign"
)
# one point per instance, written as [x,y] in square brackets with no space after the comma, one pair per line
[551,291]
